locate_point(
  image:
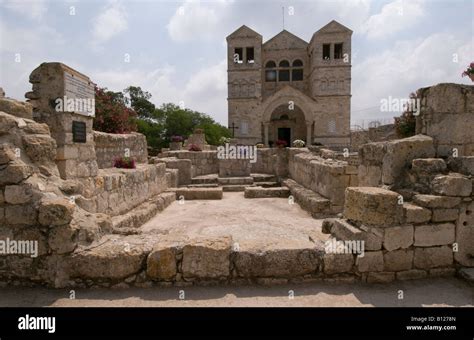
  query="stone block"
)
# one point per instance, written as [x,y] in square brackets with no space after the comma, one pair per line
[20,215]
[15,172]
[371,262]
[440,272]
[55,211]
[412,274]
[398,237]
[207,258]
[434,234]
[380,277]
[452,185]
[398,260]
[16,108]
[433,201]
[259,192]
[7,153]
[373,206]
[40,147]
[161,262]
[199,193]
[465,235]
[428,165]
[462,164]
[18,194]
[343,230]
[416,214]
[338,263]
[426,258]
[61,239]
[445,215]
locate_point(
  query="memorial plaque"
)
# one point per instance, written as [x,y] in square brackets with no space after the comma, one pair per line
[79,133]
[80,93]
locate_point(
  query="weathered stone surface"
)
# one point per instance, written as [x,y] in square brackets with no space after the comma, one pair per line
[20,214]
[412,274]
[380,277]
[452,185]
[15,172]
[278,262]
[398,260]
[16,108]
[184,167]
[40,147]
[467,274]
[398,237]
[416,214]
[7,153]
[371,262]
[465,235]
[445,215]
[429,165]
[434,234]
[161,263]
[373,206]
[18,194]
[440,272]
[462,164]
[338,263]
[433,257]
[343,230]
[259,192]
[207,258]
[55,211]
[61,239]
[433,201]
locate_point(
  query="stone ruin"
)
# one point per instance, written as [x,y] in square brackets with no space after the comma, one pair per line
[408,202]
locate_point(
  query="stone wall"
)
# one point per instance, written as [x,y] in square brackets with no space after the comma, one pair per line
[109,146]
[203,162]
[271,161]
[373,134]
[117,191]
[327,177]
[447,115]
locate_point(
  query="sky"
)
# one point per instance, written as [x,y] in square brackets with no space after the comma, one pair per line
[176,50]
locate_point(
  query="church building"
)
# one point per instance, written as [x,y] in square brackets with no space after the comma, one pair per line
[288,89]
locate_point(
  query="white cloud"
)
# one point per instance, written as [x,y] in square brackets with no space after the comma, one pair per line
[32,9]
[196,20]
[405,68]
[394,17]
[110,22]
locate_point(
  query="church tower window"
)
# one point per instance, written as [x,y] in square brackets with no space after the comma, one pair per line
[297,71]
[250,55]
[284,71]
[238,55]
[270,71]
[338,51]
[326,51]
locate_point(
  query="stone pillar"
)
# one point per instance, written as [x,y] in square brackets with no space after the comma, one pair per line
[64,99]
[309,128]
[265,127]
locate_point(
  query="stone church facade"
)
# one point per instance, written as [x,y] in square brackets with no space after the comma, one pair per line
[288,89]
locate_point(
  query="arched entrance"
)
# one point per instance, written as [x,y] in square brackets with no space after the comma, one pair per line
[286,123]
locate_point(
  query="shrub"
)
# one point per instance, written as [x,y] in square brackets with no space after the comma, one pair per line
[469,71]
[194,147]
[111,113]
[124,163]
[224,140]
[405,125]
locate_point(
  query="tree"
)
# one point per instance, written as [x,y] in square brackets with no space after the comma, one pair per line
[139,101]
[405,125]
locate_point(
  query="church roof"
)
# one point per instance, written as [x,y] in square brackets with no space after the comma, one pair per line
[332,27]
[289,37]
[243,31]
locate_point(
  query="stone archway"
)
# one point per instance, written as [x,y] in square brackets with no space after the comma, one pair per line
[287,124]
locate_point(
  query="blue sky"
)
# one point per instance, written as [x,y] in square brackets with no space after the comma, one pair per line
[177,49]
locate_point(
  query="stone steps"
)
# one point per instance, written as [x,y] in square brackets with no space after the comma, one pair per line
[267,184]
[260,192]
[309,200]
[235,180]
[144,212]
[235,187]
[199,193]
[203,185]
[205,179]
[257,178]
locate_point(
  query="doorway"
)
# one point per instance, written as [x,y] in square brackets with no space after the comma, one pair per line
[285,134]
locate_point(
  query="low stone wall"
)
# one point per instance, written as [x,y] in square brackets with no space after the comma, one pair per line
[447,115]
[272,161]
[116,191]
[109,146]
[203,162]
[327,177]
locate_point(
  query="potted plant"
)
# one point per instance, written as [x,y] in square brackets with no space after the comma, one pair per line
[124,163]
[298,143]
[281,143]
[176,143]
[194,147]
[469,72]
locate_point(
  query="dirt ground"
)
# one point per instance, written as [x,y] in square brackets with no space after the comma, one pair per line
[438,292]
